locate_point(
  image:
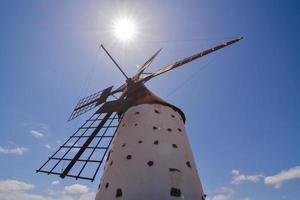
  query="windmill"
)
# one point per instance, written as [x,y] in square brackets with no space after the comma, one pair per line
[139,137]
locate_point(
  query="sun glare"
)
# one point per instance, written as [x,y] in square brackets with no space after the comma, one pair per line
[124,29]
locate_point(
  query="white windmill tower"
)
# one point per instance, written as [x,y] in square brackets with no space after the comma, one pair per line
[142,137]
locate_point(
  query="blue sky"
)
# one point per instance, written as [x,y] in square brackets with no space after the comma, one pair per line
[242,103]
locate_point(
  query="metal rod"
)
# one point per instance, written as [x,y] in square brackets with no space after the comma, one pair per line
[114,61]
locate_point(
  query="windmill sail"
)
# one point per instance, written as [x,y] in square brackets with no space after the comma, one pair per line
[83,153]
[189,59]
[89,102]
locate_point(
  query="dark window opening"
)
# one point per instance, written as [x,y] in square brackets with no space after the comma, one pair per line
[111,162]
[137,113]
[140,141]
[135,124]
[173,116]
[150,163]
[156,142]
[175,192]
[169,129]
[106,185]
[156,111]
[123,125]
[128,157]
[174,146]
[119,192]
[123,145]
[99,186]
[155,128]
[188,164]
[179,129]
[174,170]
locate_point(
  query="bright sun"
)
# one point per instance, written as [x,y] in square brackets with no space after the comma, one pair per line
[124,29]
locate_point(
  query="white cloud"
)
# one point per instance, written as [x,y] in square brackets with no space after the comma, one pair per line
[225,190]
[76,189]
[36,134]
[285,175]
[224,193]
[36,125]
[55,183]
[16,150]
[14,185]
[48,146]
[220,197]
[14,189]
[88,196]
[235,172]
[27,196]
[239,178]
[20,195]
[246,198]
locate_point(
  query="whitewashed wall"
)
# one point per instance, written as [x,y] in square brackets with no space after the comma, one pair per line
[150,134]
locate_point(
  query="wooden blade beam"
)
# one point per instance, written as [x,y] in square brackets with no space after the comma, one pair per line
[146,65]
[84,146]
[118,106]
[189,59]
[122,88]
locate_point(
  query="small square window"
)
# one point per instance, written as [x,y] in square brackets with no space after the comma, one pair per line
[118,193]
[175,192]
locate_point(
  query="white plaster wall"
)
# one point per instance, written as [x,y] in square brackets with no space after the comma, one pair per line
[134,177]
